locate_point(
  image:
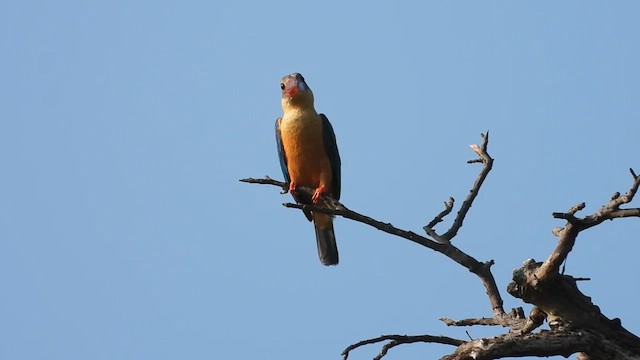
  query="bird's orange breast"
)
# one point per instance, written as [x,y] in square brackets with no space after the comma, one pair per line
[307,160]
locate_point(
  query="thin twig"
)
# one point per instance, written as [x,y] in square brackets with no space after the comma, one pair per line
[483,157]
[395,340]
[267,181]
[485,274]
[448,206]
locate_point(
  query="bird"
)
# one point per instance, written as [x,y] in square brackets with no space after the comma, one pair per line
[309,157]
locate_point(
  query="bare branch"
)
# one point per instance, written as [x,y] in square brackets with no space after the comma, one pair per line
[541,344]
[566,307]
[470,322]
[551,267]
[483,157]
[574,209]
[448,206]
[566,216]
[439,243]
[341,210]
[480,150]
[538,344]
[534,320]
[481,269]
[395,340]
[307,191]
[575,225]
[570,314]
[267,181]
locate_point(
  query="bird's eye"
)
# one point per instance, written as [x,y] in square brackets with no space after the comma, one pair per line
[282,86]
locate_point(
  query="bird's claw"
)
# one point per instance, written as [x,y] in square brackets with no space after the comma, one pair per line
[292,187]
[317,194]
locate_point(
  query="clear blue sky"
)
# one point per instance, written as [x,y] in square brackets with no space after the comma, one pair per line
[125,126]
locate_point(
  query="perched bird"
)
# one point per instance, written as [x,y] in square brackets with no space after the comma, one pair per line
[309,157]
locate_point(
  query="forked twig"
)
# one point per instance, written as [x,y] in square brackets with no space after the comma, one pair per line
[395,340]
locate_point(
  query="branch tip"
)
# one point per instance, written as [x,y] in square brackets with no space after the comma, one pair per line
[485,140]
[448,206]
[574,209]
[490,263]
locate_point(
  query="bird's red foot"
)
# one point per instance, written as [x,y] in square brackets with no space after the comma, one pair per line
[317,194]
[292,187]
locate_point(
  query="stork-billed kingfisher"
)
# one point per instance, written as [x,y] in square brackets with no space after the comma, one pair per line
[309,157]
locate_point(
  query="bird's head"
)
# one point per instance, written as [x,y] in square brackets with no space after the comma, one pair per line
[295,91]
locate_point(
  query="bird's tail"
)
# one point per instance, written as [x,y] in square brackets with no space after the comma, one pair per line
[326,239]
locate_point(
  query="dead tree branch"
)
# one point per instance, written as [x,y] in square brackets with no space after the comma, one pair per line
[481,269]
[395,340]
[577,325]
[574,225]
[441,244]
[470,322]
[541,344]
[487,161]
[557,296]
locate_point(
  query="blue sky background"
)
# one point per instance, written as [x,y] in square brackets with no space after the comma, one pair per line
[125,126]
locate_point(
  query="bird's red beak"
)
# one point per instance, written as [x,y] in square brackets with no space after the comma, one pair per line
[291,87]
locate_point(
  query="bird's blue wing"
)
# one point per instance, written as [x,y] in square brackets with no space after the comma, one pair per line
[331,147]
[281,155]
